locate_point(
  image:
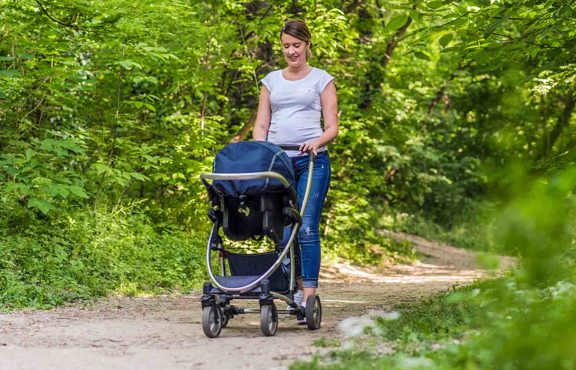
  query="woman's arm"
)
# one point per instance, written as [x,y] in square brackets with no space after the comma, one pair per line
[329,101]
[263,114]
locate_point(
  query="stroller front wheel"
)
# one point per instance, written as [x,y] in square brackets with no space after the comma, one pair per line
[268,319]
[212,320]
[313,312]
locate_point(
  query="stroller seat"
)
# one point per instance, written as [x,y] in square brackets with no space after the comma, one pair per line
[254,216]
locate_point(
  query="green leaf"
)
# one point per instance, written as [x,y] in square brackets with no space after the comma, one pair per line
[178,175]
[41,205]
[138,176]
[129,64]
[9,73]
[435,4]
[150,107]
[58,190]
[421,55]
[102,169]
[445,39]
[19,188]
[396,22]
[78,191]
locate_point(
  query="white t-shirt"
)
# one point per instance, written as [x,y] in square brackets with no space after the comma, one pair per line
[296,108]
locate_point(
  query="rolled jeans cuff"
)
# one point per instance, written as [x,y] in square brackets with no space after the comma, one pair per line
[309,283]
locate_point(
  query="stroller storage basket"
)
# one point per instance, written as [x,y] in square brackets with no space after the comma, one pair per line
[246,268]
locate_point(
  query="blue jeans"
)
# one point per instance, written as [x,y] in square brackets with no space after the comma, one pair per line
[308,253]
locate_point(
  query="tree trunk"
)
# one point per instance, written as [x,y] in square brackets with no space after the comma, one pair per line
[562,122]
[375,75]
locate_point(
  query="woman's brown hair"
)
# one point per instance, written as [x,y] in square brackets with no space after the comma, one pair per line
[298,29]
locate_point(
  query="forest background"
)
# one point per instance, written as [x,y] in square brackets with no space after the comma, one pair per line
[456,123]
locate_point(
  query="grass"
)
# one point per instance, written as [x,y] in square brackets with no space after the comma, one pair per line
[491,324]
[416,331]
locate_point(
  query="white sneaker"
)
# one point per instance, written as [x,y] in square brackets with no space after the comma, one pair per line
[298,297]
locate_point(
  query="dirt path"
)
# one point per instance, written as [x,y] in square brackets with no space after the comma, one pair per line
[165,332]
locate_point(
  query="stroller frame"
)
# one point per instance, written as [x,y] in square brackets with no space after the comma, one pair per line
[216,298]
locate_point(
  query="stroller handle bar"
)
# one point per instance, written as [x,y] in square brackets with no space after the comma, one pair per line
[246,176]
[297,148]
[289,147]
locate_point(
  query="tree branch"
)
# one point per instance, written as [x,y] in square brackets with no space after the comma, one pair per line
[437,98]
[391,45]
[53,19]
[244,132]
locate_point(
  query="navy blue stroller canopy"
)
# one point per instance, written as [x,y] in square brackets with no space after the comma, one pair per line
[252,156]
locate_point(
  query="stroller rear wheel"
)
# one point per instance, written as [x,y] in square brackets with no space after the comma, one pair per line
[268,319]
[313,312]
[212,320]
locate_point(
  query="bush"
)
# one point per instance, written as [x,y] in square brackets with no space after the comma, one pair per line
[84,256]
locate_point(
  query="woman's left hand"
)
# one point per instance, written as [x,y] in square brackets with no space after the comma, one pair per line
[310,147]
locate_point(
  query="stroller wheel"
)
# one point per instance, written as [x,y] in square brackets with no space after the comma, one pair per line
[225,320]
[313,312]
[268,319]
[212,320]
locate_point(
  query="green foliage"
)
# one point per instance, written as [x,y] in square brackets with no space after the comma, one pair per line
[522,320]
[491,325]
[41,174]
[470,230]
[448,315]
[88,256]
[109,110]
[420,330]
[538,224]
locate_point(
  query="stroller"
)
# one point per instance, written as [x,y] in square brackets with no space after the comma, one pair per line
[252,196]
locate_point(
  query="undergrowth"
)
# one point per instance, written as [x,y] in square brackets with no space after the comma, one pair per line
[469,229]
[492,325]
[523,320]
[85,255]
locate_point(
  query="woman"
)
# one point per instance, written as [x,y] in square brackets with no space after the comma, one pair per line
[293,102]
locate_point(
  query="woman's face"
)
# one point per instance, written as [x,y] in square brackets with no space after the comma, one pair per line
[294,50]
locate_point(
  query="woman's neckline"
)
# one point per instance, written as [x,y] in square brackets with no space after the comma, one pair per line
[299,79]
